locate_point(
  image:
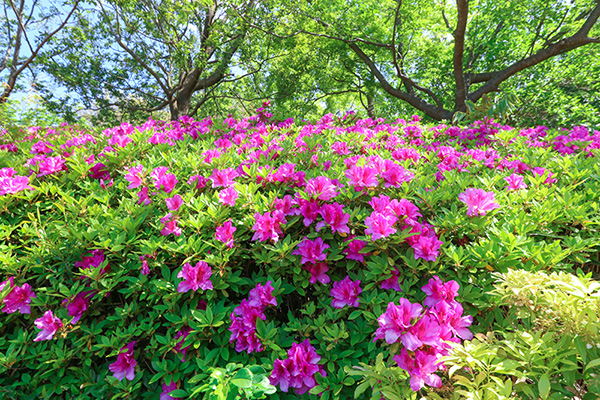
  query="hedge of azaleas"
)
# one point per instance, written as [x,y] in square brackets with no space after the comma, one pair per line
[139,260]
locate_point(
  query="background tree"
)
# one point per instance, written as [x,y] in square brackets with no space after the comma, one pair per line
[438,55]
[145,56]
[26,32]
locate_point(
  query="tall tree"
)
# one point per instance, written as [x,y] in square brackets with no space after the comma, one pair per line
[437,55]
[151,55]
[27,28]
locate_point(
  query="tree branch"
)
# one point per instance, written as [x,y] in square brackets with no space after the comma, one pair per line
[459,48]
[431,110]
[579,39]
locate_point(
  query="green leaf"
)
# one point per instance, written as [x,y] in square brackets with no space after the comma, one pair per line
[243,378]
[544,386]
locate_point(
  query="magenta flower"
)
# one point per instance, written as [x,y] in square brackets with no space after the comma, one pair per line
[426,331]
[427,248]
[515,182]
[144,198]
[450,316]
[539,171]
[267,227]
[51,165]
[354,248]
[228,196]
[478,201]
[199,181]
[395,175]
[145,267]
[345,293]
[223,178]
[162,180]
[18,298]
[421,369]
[396,320]
[134,176]
[309,210]
[41,148]
[298,370]
[361,177]
[243,327]
[174,202]
[14,184]
[335,217]
[437,291]
[311,251]
[49,324]
[392,282]
[195,277]
[262,296]
[318,273]
[380,225]
[224,233]
[170,222]
[93,260]
[321,188]
[168,389]
[125,364]
[77,305]
[183,334]
[405,209]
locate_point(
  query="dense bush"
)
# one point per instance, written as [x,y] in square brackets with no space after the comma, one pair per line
[223,257]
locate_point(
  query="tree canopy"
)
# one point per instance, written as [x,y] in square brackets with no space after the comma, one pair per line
[437,58]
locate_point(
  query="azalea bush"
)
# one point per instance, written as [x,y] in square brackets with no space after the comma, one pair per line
[252,258]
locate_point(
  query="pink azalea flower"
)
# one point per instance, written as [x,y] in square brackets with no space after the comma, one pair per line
[298,370]
[353,250]
[224,233]
[262,296]
[49,324]
[199,181]
[392,282]
[267,227]
[380,225]
[145,267]
[361,177]
[125,364]
[381,204]
[437,291]
[309,210]
[318,272]
[395,175]
[170,222]
[51,165]
[321,188]
[195,277]
[539,171]
[396,320]
[223,178]
[426,331]
[77,305]
[228,196]
[421,368]
[18,298]
[335,217]
[478,201]
[427,248]
[515,182]
[144,198]
[405,209]
[345,293]
[311,251]
[93,260]
[174,202]
[163,180]
[183,334]
[243,327]
[15,184]
[168,389]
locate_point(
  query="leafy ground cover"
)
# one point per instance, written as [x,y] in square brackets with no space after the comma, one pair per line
[251,258]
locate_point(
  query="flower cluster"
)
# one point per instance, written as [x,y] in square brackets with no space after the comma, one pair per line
[425,332]
[124,367]
[17,298]
[243,318]
[11,183]
[195,278]
[298,370]
[478,201]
